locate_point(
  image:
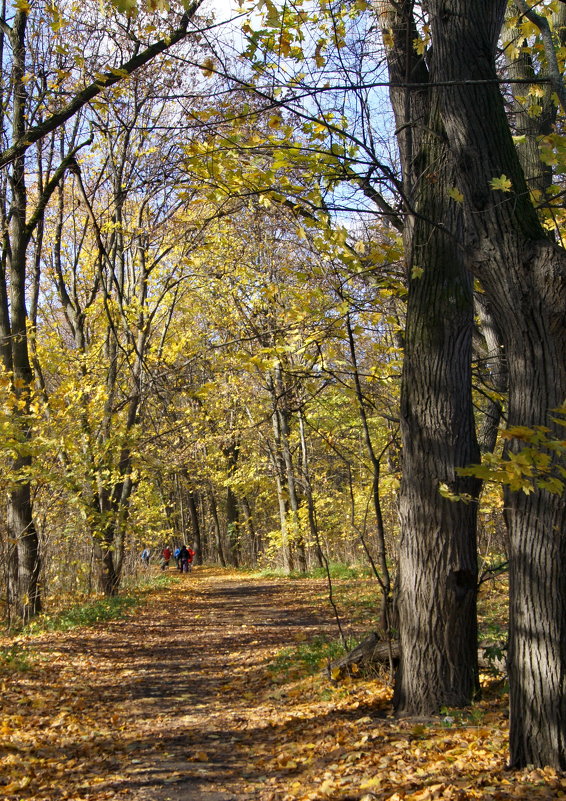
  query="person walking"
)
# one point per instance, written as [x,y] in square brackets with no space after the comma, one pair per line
[166,554]
[184,559]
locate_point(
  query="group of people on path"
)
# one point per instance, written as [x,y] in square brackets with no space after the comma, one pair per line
[183,557]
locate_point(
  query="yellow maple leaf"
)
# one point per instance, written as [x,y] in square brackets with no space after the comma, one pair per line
[456,195]
[503,183]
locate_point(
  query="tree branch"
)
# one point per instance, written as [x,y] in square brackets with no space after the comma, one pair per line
[106,80]
[554,72]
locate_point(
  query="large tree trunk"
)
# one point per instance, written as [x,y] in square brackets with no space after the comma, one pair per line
[437,583]
[524,275]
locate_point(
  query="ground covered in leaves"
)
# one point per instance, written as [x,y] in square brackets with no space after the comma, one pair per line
[200,694]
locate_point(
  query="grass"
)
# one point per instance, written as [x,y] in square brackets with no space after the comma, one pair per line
[337,571]
[97,610]
[14,659]
[304,659]
[85,614]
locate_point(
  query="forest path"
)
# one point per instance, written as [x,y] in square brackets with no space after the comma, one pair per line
[174,703]
[177,703]
[196,694]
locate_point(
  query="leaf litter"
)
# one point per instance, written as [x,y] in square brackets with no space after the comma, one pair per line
[178,703]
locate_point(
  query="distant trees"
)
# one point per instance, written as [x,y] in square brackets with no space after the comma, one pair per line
[39,69]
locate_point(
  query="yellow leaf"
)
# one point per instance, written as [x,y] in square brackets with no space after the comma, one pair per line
[375,781]
[456,195]
[503,183]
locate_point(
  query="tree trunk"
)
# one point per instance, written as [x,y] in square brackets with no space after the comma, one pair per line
[217,531]
[295,537]
[524,275]
[232,453]
[493,371]
[108,577]
[195,525]
[437,554]
[382,574]
[306,478]
[278,464]
[25,571]
[254,536]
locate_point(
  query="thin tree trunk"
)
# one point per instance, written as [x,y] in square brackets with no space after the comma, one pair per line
[295,537]
[254,537]
[217,530]
[192,499]
[305,469]
[279,472]
[25,590]
[383,575]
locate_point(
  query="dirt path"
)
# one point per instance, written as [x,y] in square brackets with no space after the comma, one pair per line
[173,704]
[198,685]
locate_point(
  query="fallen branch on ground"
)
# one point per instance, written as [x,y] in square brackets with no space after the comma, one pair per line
[374,651]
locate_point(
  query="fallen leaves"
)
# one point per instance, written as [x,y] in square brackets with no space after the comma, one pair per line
[101,711]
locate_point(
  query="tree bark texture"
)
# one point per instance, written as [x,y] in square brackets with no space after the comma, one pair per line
[524,275]
[437,583]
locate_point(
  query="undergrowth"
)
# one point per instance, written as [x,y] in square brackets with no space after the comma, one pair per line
[97,610]
[14,659]
[84,614]
[305,658]
[337,570]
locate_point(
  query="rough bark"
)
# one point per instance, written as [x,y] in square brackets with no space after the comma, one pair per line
[437,555]
[524,275]
[492,369]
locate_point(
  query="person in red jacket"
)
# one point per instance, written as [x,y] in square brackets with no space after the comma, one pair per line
[166,554]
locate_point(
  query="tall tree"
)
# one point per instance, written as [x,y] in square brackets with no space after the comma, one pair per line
[523,272]
[437,553]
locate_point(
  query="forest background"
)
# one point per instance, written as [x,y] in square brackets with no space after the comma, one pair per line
[270,286]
